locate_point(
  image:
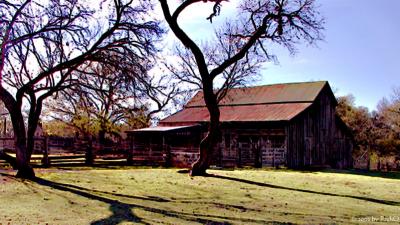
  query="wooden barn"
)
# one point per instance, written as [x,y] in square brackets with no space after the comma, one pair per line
[292,125]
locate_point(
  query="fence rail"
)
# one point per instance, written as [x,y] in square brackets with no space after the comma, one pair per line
[49,151]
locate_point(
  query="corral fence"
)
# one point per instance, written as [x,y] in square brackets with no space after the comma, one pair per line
[58,151]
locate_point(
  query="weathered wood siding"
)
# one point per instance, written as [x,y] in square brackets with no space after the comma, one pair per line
[315,137]
[173,148]
[252,145]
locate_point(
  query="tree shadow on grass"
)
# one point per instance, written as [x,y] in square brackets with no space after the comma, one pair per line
[389,175]
[379,201]
[122,212]
[360,172]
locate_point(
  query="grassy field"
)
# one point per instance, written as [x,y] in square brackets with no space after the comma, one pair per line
[168,196]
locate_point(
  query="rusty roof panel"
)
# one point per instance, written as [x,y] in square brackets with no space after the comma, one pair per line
[276,93]
[241,113]
[161,128]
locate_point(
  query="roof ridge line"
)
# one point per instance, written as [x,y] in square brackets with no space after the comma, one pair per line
[247,104]
[264,85]
[300,82]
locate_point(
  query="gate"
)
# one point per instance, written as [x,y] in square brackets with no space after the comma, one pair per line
[274,151]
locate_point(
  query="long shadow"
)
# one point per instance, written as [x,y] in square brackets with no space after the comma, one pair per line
[380,201]
[389,175]
[147,198]
[122,212]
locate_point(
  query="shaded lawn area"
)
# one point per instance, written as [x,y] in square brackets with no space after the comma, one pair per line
[166,196]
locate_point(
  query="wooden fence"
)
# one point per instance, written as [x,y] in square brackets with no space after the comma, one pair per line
[50,151]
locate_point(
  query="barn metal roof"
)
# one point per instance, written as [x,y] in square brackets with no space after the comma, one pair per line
[242,113]
[275,93]
[160,129]
[277,102]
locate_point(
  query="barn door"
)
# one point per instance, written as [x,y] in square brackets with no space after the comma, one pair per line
[274,151]
[249,151]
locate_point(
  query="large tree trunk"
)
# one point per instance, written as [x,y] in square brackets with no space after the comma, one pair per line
[32,125]
[207,145]
[23,156]
[23,147]
[23,153]
[25,170]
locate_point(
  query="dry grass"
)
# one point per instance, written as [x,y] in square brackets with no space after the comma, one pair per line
[164,196]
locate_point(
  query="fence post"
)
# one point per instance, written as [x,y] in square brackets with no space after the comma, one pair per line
[273,157]
[129,151]
[45,159]
[89,152]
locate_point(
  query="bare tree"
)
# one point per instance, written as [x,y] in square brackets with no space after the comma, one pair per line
[71,110]
[259,24]
[105,99]
[43,43]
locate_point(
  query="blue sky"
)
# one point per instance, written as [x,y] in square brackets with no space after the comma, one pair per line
[359,54]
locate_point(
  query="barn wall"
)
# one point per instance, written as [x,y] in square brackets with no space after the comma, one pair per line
[343,146]
[316,138]
[252,145]
[178,148]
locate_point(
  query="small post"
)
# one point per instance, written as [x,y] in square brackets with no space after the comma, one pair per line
[273,157]
[45,159]
[89,152]
[129,151]
[166,153]
[5,127]
[239,152]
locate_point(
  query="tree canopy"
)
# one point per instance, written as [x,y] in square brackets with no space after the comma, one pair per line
[375,132]
[45,46]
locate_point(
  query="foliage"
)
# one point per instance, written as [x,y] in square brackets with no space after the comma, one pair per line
[57,128]
[377,131]
[359,120]
[387,120]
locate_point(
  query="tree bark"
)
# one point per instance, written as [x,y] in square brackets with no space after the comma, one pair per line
[23,151]
[23,156]
[208,144]
[25,170]
[102,138]
[89,158]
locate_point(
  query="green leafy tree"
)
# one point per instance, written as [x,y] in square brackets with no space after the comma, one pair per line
[387,122]
[360,122]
